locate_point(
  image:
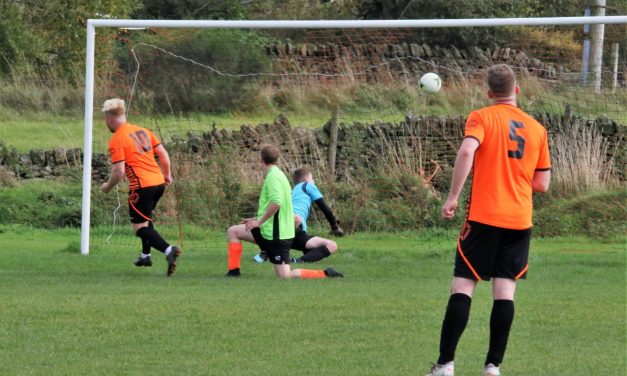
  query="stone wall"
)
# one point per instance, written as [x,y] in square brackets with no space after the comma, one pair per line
[430,140]
[375,62]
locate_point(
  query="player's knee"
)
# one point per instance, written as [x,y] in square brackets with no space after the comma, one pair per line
[138,226]
[331,246]
[233,232]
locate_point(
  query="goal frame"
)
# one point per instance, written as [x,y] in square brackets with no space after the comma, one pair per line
[92,24]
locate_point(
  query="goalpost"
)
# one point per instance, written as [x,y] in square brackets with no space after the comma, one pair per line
[93,24]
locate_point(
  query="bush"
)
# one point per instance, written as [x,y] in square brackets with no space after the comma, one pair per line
[199,77]
[580,161]
[597,215]
[50,205]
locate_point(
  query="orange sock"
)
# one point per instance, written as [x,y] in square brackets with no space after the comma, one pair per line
[235,255]
[307,273]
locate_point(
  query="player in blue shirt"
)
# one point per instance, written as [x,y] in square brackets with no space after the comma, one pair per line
[304,194]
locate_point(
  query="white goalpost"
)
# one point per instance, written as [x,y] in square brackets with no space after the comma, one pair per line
[93,24]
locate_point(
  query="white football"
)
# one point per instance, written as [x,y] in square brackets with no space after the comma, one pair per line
[430,82]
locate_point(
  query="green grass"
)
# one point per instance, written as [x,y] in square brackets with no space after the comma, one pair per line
[45,131]
[598,215]
[49,203]
[63,313]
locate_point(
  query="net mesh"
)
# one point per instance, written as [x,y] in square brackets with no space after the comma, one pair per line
[214,98]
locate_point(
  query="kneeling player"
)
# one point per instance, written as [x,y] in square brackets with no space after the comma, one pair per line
[273,229]
[305,193]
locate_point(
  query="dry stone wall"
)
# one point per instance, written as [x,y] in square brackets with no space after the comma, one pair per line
[430,139]
[376,62]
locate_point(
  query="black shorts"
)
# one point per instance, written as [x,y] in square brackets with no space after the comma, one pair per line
[278,251]
[300,240]
[142,201]
[485,252]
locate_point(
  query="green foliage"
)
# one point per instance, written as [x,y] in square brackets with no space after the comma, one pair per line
[208,88]
[302,9]
[459,9]
[49,205]
[190,10]
[600,215]
[50,35]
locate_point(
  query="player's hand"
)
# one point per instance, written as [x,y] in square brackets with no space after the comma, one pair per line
[168,179]
[243,221]
[448,210]
[105,187]
[339,232]
[253,223]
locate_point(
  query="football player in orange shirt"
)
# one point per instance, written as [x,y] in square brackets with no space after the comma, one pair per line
[507,151]
[132,150]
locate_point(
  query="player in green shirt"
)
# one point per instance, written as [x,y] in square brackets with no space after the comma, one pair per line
[273,229]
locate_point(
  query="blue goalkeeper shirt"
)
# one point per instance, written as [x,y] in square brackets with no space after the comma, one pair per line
[303,195]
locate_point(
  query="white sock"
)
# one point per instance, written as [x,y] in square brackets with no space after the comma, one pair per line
[168,250]
[145,255]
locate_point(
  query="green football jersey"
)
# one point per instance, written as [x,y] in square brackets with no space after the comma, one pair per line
[276,190]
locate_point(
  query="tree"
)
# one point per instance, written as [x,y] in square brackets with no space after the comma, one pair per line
[50,35]
[191,9]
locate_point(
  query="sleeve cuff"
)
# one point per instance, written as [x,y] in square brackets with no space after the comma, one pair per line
[544,169]
[473,137]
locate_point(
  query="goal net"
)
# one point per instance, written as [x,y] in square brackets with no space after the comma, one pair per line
[345,101]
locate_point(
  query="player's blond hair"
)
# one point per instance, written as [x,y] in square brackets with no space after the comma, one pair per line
[501,80]
[114,106]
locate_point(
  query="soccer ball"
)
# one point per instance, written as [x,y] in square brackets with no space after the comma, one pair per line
[430,82]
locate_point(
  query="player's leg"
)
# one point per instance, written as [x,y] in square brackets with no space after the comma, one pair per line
[279,256]
[141,205]
[285,271]
[144,258]
[145,243]
[172,252]
[501,320]
[476,250]
[511,264]
[235,235]
[453,325]
[317,248]
[262,256]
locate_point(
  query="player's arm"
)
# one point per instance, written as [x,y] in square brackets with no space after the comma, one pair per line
[541,181]
[164,161]
[542,175]
[463,164]
[270,212]
[297,221]
[117,174]
[328,214]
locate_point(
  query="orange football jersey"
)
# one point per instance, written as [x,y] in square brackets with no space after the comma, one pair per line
[512,147]
[135,147]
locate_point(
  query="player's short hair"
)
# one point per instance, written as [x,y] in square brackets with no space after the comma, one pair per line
[501,80]
[299,174]
[270,154]
[114,106]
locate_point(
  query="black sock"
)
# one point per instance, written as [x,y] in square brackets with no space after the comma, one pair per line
[453,326]
[315,254]
[145,242]
[500,324]
[152,237]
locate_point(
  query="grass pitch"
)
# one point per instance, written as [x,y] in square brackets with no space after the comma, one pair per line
[63,313]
